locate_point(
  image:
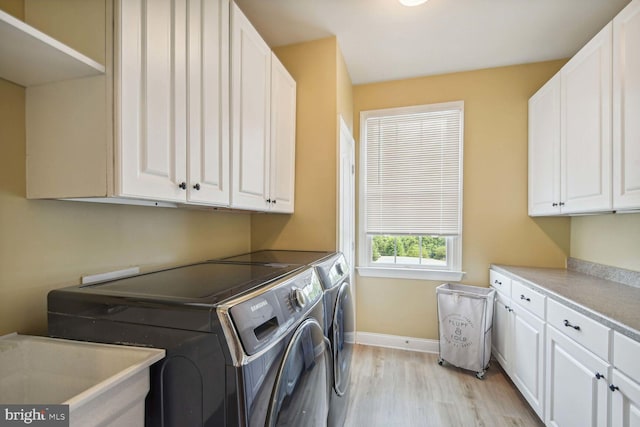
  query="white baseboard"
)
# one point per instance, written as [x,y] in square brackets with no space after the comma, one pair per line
[395,341]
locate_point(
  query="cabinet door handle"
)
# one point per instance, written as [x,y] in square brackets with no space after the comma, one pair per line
[273,201]
[527,299]
[599,376]
[268,200]
[569,325]
[554,204]
[197,187]
[561,203]
[613,387]
[182,185]
[497,282]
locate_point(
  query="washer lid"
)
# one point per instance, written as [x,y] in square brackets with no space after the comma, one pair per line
[203,283]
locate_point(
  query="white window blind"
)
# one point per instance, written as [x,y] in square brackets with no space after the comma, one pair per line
[414,172]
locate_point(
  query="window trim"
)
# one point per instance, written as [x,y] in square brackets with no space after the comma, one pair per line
[365,268]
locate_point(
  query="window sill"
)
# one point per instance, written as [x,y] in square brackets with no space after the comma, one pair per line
[411,273]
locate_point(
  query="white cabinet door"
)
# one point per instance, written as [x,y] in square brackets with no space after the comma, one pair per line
[626,108]
[576,394]
[151,99]
[527,362]
[208,137]
[250,104]
[502,332]
[544,149]
[283,138]
[625,401]
[586,127]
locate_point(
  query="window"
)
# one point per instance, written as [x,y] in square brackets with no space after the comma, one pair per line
[411,192]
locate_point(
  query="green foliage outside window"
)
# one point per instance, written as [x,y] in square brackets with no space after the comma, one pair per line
[409,246]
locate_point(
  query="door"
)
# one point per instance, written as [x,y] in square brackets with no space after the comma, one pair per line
[502,331]
[342,335]
[151,99]
[625,401]
[300,397]
[586,127]
[347,197]
[250,106]
[283,139]
[208,137]
[527,362]
[576,391]
[626,108]
[544,149]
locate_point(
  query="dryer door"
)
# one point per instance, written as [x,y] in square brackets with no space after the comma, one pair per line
[343,336]
[300,394]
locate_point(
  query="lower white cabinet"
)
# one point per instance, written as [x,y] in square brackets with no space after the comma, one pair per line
[528,358]
[518,345]
[501,331]
[625,401]
[576,384]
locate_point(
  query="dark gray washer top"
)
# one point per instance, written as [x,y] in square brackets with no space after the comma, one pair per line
[613,304]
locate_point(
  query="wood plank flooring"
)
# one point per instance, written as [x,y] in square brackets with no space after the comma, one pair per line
[392,387]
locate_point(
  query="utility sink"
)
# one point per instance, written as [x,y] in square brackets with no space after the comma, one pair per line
[103,384]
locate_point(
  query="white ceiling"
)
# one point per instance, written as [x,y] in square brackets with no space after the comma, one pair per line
[383,40]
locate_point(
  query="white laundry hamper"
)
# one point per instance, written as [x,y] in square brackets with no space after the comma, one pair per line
[465,316]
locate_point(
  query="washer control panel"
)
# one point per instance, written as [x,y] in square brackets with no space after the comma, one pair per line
[271,311]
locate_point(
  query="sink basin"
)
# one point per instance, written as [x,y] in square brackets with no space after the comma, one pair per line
[103,384]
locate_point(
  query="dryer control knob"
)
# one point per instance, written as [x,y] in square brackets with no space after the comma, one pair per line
[299,298]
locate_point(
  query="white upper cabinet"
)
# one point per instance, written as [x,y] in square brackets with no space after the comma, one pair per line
[169,59]
[283,138]
[208,127]
[250,103]
[626,108]
[586,127]
[544,149]
[156,129]
[152,96]
[599,168]
[263,102]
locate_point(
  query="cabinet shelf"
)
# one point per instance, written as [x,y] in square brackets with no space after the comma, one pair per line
[29,57]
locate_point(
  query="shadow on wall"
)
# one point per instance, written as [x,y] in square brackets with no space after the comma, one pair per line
[557,229]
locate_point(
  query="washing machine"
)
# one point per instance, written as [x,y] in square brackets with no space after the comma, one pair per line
[245,343]
[339,325]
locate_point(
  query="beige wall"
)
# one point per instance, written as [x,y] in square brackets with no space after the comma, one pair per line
[313,225]
[607,239]
[496,228]
[45,244]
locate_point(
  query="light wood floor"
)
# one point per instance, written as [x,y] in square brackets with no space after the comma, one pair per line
[404,388]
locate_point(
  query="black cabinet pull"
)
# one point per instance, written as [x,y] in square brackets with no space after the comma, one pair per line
[197,187]
[569,325]
[599,375]
[561,203]
[525,298]
[613,387]
[554,204]
[268,200]
[273,201]
[497,282]
[182,185]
